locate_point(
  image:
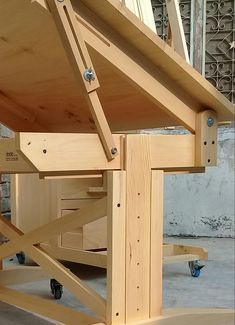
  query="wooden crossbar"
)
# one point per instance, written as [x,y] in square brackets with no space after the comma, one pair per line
[86,295]
[21,274]
[64,224]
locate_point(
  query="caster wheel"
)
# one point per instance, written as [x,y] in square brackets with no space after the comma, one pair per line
[56,289]
[195,268]
[21,257]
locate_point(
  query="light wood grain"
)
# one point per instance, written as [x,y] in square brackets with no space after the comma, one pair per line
[56,270]
[138,168]
[37,79]
[116,248]
[45,307]
[156,244]
[71,221]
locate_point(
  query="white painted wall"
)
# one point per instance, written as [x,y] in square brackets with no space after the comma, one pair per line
[203,204]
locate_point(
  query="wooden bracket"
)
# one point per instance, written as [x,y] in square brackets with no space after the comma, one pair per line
[206,139]
[82,66]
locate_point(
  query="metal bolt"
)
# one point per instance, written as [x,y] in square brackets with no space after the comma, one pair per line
[114,151]
[210,121]
[89,75]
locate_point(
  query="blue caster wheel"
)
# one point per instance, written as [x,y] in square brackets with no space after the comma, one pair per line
[195,268]
[56,289]
[21,257]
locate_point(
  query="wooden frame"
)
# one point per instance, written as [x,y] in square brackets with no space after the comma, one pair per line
[140,252]
[134,204]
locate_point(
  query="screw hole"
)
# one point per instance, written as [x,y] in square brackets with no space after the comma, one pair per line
[117,314]
[118,205]
[209,160]
[138,309]
[138,264]
[29,143]
[138,287]
[213,142]
[44,151]
[205,143]
[138,193]
[138,240]
[138,217]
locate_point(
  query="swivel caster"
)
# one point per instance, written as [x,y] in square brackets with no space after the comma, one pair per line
[195,268]
[56,289]
[20,257]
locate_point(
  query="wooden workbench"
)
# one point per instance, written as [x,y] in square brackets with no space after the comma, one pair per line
[71,75]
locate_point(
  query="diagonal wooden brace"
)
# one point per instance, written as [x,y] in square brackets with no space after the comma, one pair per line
[69,222]
[85,294]
[75,47]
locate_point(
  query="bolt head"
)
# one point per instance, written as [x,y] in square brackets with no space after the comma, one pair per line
[114,151]
[210,121]
[89,75]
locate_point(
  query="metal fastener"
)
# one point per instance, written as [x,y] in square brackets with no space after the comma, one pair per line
[114,151]
[210,121]
[89,75]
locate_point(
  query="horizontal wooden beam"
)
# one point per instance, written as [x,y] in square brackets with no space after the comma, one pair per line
[21,274]
[45,307]
[78,256]
[80,152]
[11,160]
[172,151]
[83,152]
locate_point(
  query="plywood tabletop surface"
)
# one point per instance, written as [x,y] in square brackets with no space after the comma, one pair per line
[39,93]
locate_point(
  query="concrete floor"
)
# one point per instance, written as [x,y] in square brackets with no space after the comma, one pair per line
[214,288]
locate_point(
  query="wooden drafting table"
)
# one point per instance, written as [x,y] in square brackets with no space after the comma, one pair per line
[70,76]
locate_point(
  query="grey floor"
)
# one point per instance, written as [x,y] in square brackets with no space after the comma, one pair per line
[214,288]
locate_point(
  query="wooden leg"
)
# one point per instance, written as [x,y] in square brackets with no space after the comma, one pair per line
[116,247]
[138,233]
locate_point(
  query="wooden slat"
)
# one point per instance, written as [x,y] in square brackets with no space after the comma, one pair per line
[21,274]
[116,248]
[180,258]
[77,256]
[45,307]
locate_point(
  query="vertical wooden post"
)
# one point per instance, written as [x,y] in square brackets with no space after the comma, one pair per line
[138,170]
[156,248]
[116,247]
